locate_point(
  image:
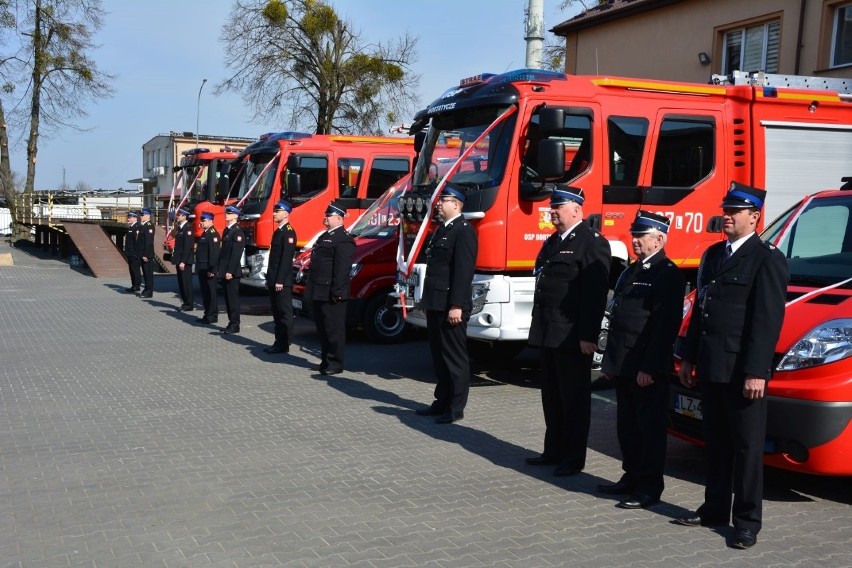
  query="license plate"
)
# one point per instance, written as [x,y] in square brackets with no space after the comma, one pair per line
[297,303]
[688,406]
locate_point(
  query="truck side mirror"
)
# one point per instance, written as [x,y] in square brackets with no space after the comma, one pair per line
[292,162]
[551,160]
[419,139]
[294,185]
[715,224]
[551,119]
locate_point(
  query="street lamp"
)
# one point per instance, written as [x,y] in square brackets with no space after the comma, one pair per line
[198,111]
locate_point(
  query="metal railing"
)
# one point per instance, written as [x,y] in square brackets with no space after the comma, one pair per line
[50,208]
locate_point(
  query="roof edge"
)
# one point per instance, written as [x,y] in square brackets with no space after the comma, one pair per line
[604,14]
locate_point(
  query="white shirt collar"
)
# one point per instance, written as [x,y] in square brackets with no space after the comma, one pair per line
[448,221]
[735,245]
[569,229]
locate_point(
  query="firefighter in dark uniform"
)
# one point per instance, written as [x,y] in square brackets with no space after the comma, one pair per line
[645,315]
[730,345]
[328,288]
[146,252]
[182,259]
[279,277]
[131,251]
[231,267]
[207,250]
[572,281]
[450,263]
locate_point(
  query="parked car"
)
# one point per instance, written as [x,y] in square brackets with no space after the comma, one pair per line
[809,423]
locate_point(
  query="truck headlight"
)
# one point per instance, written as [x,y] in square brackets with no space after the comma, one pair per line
[478,295]
[826,343]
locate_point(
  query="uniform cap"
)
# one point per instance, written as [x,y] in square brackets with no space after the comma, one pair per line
[283,206]
[182,211]
[645,221]
[333,209]
[132,214]
[743,196]
[232,209]
[207,216]
[565,194]
[450,192]
[145,212]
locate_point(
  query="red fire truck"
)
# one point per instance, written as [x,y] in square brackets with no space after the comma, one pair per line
[311,171]
[669,147]
[201,185]
[809,413]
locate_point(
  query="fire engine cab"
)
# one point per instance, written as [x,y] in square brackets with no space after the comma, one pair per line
[311,171]
[201,185]
[809,412]
[668,147]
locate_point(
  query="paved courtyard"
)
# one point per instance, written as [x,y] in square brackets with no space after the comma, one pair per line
[130,436]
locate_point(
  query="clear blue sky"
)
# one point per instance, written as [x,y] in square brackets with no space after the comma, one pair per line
[160,50]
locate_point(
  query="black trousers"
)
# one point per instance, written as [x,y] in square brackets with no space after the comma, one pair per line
[566,396]
[148,274]
[641,425]
[184,280]
[330,319]
[448,344]
[734,435]
[134,263]
[282,315]
[232,299]
[207,284]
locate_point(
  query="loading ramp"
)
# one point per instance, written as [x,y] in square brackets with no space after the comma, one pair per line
[97,249]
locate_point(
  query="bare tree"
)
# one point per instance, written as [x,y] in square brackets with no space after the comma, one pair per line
[297,60]
[50,63]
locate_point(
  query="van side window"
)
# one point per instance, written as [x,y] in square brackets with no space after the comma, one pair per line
[349,173]
[384,173]
[685,152]
[627,136]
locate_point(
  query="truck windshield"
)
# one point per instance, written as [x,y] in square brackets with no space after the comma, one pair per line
[382,218]
[194,183]
[257,172]
[817,240]
[450,134]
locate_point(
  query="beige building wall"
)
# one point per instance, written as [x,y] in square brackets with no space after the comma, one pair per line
[664,43]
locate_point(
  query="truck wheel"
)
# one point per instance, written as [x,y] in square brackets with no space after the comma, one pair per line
[494,353]
[381,323]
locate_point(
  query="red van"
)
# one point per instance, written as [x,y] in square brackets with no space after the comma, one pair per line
[373,271]
[809,422]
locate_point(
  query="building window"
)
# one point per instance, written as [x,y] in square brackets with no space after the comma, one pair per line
[753,48]
[841,44]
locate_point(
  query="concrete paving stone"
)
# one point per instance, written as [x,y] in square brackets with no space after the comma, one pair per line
[137,438]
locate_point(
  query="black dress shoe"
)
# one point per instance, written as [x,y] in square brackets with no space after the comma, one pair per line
[428,411]
[541,460]
[231,328]
[318,368]
[275,349]
[146,295]
[696,520]
[186,308]
[638,501]
[743,539]
[449,418]
[566,470]
[328,372]
[620,488]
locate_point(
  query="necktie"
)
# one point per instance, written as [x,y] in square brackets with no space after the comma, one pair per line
[729,252]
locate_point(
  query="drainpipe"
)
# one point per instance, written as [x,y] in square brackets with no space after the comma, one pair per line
[799,37]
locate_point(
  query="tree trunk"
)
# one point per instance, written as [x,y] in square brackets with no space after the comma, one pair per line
[39,55]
